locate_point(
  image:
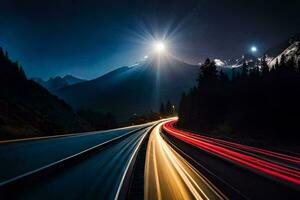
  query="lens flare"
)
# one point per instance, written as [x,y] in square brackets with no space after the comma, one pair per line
[159,47]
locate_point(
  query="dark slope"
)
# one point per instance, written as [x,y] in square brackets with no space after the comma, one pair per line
[136,89]
[27,109]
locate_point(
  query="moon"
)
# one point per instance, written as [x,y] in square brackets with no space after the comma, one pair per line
[159,47]
[254,49]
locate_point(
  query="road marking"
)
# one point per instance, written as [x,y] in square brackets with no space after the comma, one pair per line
[11,180]
[77,134]
[129,162]
[169,176]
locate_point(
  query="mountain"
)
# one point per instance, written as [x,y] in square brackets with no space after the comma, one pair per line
[52,83]
[57,82]
[249,59]
[290,48]
[27,109]
[279,48]
[292,51]
[135,89]
[71,80]
[231,66]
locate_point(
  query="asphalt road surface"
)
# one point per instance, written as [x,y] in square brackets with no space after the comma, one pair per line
[239,171]
[149,161]
[86,166]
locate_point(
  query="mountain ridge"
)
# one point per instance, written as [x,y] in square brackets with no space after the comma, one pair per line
[28,109]
[133,90]
[55,83]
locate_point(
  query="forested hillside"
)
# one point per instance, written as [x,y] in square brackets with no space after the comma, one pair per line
[27,109]
[259,101]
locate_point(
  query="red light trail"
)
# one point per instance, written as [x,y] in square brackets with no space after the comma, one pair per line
[241,154]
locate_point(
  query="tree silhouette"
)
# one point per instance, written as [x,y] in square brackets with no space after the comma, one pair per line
[252,105]
[234,75]
[282,62]
[1,53]
[162,109]
[264,65]
[276,66]
[245,70]
[27,109]
[223,77]
[182,104]
[169,108]
[22,72]
[6,55]
[291,64]
[208,72]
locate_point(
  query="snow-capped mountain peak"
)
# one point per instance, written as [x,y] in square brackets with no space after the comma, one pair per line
[293,51]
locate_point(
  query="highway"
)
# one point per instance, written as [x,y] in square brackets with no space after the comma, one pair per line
[243,172]
[169,176]
[149,161]
[84,166]
[31,154]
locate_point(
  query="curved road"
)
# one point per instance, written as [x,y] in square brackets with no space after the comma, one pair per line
[169,176]
[172,164]
[241,171]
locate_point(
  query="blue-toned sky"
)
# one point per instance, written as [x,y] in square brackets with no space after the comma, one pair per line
[88,38]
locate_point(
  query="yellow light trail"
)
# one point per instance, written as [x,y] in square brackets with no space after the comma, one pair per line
[169,176]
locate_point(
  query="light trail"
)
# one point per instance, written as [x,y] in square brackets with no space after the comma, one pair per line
[169,176]
[283,157]
[237,153]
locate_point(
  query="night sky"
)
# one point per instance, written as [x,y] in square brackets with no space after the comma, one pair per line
[88,38]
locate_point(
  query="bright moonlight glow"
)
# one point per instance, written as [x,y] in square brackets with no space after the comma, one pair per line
[254,49]
[159,47]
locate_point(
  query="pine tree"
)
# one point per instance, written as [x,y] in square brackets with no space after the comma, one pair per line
[282,63]
[162,109]
[291,64]
[208,72]
[256,72]
[22,72]
[182,107]
[245,70]
[276,66]
[1,53]
[234,76]
[264,65]
[223,77]
[201,75]
[169,108]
